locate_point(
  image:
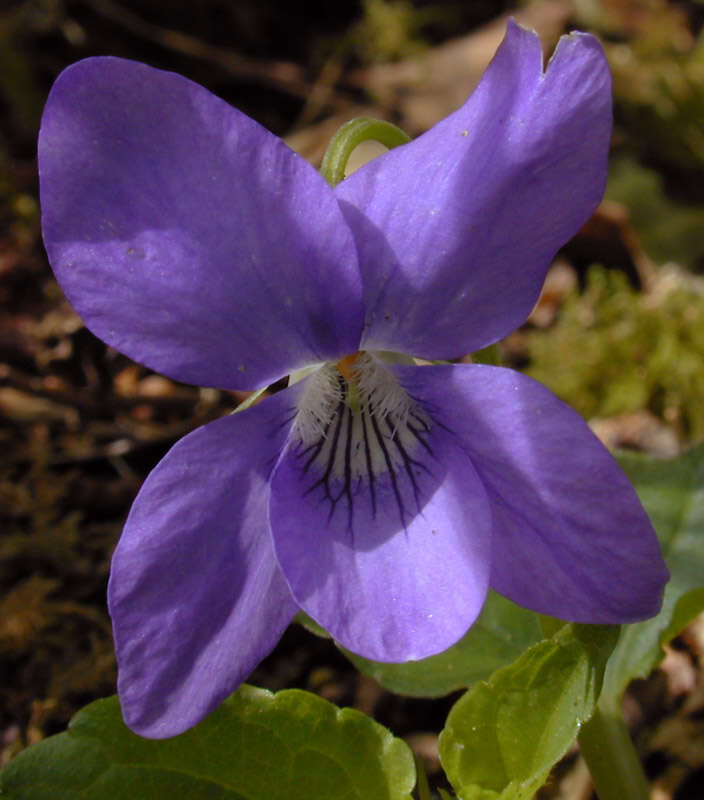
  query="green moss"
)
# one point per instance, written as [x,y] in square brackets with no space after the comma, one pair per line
[615,350]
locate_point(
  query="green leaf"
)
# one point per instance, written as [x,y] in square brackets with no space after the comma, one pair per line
[310,625]
[502,632]
[503,736]
[257,746]
[672,493]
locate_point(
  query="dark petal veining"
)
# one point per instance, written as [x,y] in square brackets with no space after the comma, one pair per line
[392,562]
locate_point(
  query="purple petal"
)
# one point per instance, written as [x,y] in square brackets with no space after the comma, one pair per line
[186,235]
[456,230]
[195,594]
[570,537]
[393,572]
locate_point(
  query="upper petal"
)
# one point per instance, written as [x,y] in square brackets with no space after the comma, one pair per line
[395,566]
[456,230]
[569,537]
[186,235]
[195,594]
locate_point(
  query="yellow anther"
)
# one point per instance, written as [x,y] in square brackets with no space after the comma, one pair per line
[348,366]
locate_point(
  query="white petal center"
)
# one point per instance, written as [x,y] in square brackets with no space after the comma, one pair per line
[356,422]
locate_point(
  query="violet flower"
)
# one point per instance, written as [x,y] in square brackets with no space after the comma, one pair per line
[380,497]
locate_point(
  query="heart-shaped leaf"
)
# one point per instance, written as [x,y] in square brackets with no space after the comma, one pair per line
[503,736]
[257,746]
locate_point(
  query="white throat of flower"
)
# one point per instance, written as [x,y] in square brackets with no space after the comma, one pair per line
[355,423]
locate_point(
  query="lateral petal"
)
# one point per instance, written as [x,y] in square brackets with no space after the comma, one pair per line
[569,537]
[195,594]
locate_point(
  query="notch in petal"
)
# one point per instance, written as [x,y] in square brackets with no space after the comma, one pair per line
[457,229]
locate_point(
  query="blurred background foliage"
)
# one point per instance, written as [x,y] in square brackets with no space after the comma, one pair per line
[618,333]
[616,350]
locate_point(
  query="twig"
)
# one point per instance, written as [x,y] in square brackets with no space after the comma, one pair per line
[283,75]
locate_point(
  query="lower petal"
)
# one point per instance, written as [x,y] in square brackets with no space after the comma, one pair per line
[395,567]
[196,596]
[570,537]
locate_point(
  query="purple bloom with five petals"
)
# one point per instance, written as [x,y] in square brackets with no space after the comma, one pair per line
[381,497]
